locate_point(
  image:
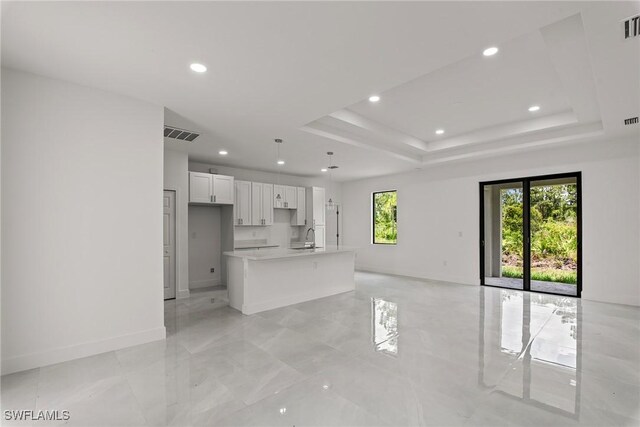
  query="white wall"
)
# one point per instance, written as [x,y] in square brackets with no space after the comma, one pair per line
[437,204]
[81,221]
[204,246]
[176,177]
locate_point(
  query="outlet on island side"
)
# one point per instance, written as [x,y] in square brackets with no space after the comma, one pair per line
[213,270]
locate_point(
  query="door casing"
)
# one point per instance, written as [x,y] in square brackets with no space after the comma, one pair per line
[170,250]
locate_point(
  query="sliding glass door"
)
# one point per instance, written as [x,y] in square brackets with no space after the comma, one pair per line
[503,234]
[530,234]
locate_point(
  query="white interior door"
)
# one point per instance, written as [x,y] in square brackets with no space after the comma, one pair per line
[169,238]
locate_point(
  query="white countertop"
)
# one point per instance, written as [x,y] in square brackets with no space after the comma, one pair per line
[256,246]
[264,254]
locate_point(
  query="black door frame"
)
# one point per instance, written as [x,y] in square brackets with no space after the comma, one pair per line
[526,203]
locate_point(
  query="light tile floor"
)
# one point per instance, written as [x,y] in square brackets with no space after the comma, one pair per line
[394,352]
[536,285]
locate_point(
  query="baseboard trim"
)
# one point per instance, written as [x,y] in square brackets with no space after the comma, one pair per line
[63,354]
[629,301]
[450,281]
[204,283]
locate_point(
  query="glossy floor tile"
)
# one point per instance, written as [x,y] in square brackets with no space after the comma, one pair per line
[395,352]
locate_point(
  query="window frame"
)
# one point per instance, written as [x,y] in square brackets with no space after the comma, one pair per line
[373,218]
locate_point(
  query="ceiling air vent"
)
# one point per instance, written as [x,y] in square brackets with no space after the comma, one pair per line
[181,134]
[631,27]
[631,121]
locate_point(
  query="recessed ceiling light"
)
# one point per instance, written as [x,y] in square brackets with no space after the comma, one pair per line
[323,170]
[374,98]
[490,51]
[439,131]
[223,152]
[534,108]
[198,68]
[281,162]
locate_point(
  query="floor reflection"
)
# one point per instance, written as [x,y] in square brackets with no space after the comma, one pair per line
[538,336]
[384,326]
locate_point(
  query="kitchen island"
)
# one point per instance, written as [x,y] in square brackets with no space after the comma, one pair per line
[260,280]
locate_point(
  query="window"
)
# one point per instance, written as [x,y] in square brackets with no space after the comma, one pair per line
[385,216]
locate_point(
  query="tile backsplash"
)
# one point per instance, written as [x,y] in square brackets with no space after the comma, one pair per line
[281,233]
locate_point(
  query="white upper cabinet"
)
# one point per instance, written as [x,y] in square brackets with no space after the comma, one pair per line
[242,207]
[267,204]
[291,197]
[200,187]
[284,196]
[223,189]
[261,203]
[278,196]
[256,203]
[210,189]
[299,217]
[315,207]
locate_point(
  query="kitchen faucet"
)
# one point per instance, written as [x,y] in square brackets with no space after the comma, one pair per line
[306,238]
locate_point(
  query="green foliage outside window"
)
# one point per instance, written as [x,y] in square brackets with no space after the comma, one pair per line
[385,230]
[554,233]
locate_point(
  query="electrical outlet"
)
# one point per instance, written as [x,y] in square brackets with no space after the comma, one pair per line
[213,270]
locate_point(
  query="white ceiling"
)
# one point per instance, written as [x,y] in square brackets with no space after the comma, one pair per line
[303,72]
[474,93]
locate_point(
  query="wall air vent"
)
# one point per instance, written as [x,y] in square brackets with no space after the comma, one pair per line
[631,121]
[181,134]
[631,27]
